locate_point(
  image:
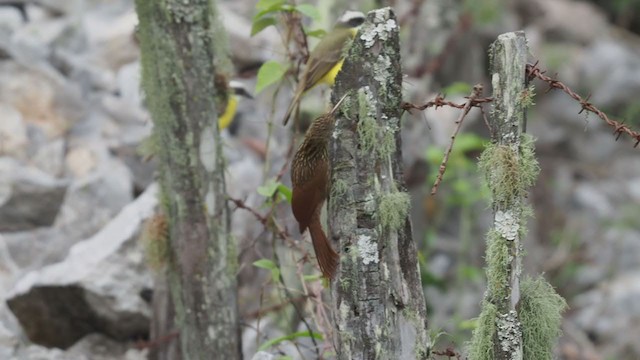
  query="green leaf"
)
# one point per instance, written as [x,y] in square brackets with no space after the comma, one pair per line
[312,277]
[469,142]
[285,191]
[457,88]
[289,337]
[308,10]
[275,8]
[268,189]
[261,24]
[434,155]
[317,33]
[468,324]
[265,264]
[271,187]
[266,4]
[470,272]
[269,73]
[269,265]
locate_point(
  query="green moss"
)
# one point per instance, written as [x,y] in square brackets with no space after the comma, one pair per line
[498,259]
[339,188]
[367,126]
[540,314]
[509,175]
[393,210]
[481,347]
[387,144]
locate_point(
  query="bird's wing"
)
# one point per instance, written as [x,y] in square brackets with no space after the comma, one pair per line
[325,56]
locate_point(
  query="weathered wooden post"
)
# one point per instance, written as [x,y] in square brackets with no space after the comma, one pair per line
[518,321]
[379,306]
[183,57]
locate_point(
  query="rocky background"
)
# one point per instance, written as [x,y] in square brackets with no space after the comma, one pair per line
[75,189]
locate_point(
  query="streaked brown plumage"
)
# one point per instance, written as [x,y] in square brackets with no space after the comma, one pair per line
[310,174]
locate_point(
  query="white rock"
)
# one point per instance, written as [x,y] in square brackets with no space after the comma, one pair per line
[13,132]
[95,289]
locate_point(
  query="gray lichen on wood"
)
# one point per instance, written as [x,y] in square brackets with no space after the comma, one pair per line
[381,312]
[183,55]
[509,175]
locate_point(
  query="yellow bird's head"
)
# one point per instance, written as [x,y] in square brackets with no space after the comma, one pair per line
[350,20]
[236,90]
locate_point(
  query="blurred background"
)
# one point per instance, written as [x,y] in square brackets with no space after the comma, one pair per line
[76,187]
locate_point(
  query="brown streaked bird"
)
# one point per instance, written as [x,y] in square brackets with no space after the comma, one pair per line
[310,174]
[325,61]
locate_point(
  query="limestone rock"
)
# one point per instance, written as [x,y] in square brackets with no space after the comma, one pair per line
[610,314]
[96,289]
[29,198]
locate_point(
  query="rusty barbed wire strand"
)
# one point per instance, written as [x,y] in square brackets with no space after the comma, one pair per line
[439,101]
[534,72]
[448,352]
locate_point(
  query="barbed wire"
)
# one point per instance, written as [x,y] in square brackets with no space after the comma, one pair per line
[620,128]
[439,101]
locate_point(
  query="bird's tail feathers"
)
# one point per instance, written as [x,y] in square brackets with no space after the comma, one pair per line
[328,259]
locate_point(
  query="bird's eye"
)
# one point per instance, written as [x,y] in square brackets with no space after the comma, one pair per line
[356,21]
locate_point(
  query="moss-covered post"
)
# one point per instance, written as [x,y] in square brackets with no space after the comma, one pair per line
[379,306]
[518,321]
[183,58]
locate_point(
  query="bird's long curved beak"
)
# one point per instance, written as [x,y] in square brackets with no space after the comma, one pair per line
[337,105]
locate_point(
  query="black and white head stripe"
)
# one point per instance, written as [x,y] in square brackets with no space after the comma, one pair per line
[351,18]
[240,89]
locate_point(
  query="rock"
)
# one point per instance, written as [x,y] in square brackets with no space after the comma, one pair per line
[571,21]
[8,341]
[591,198]
[10,18]
[143,170]
[91,347]
[126,123]
[13,132]
[99,347]
[263,355]
[43,98]
[29,198]
[90,202]
[248,51]
[81,161]
[78,68]
[610,70]
[111,34]
[610,315]
[49,156]
[128,79]
[96,289]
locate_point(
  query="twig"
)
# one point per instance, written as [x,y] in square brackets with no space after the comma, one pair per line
[476,93]
[619,128]
[270,223]
[290,298]
[160,340]
[262,311]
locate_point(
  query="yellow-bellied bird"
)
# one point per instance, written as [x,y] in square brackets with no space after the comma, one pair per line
[325,61]
[236,89]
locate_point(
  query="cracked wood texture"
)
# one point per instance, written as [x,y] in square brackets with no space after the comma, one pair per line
[378,301]
[508,56]
[182,53]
